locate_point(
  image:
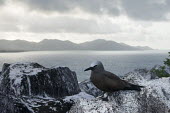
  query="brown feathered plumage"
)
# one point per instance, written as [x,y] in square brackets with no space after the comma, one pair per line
[107,81]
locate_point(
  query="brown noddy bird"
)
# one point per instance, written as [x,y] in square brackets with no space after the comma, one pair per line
[107,81]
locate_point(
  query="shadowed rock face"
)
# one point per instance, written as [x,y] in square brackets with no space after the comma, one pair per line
[34,79]
[10,104]
[30,87]
[154,98]
[88,87]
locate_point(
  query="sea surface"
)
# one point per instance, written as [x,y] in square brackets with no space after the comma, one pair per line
[118,62]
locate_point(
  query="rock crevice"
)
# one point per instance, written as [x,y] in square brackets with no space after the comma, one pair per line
[32,88]
[154,97]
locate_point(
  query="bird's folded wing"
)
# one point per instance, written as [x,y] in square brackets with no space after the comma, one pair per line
[113,81]
[111,75]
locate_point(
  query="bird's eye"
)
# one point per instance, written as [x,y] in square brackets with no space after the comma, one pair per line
[95,66]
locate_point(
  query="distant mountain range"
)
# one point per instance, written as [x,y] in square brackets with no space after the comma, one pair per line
[54,44]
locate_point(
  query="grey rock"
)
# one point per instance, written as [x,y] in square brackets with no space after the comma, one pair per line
[33,79]
[32,88]
[154,98]
[27,104]
[88,87]
[5,66]
[9,104]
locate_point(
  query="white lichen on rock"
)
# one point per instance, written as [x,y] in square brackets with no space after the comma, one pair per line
[32,88]
[40,90]
[18,70]
[154,97]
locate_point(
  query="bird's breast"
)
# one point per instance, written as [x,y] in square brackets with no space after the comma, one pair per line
[97,81]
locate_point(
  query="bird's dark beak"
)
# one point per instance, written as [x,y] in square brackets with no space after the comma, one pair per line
[90,68]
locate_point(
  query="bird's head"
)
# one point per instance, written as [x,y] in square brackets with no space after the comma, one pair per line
[96,66]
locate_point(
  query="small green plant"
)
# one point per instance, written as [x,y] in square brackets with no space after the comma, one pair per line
[161,72]
[167,62]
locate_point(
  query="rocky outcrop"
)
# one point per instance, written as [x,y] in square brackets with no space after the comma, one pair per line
[154,98]
[30,87]
[9,104]
[34,79]
[88,87]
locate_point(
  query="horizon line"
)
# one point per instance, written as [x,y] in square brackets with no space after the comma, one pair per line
[81,42]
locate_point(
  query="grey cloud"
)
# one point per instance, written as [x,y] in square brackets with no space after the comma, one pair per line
[71,25]
[8,28]
[91,6]
[137,9]
[2,2]
[152,10]
[147,9]
[8,23]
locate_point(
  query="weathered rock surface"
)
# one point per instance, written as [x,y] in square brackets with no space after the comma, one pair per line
[88,87]
[24,88]
[34,79]
[32,88]
[9,104]
[154,98]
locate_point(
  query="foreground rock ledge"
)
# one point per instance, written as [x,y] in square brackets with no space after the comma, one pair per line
[154,98]
[30,87]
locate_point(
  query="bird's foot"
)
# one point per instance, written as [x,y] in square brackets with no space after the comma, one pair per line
[103,97]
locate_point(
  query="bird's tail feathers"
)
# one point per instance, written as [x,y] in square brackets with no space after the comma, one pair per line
[134,87]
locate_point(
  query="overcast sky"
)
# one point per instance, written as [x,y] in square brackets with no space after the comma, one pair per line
[134,22]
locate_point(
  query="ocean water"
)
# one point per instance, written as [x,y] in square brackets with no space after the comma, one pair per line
[118,62]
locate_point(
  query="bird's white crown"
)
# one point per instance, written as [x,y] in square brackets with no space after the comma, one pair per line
[96,63]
